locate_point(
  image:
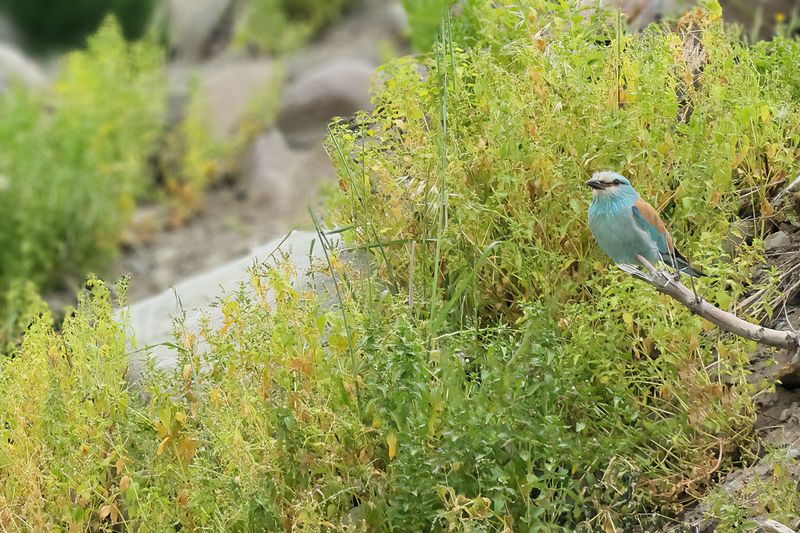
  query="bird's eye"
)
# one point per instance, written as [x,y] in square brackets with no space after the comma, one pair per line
[617,182]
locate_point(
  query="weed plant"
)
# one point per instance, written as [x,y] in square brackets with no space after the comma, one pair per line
[467,185]
[424,18]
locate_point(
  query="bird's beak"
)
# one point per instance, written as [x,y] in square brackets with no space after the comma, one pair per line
[596,184]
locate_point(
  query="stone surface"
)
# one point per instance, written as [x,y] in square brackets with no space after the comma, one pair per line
[777,240]
[16,67]
[228,86]
[367,32]
[199,28]
[231,89]
[152,320]
[756,17]
[741,232]
[279,178]
[337,88]
[8,33]
[270,170]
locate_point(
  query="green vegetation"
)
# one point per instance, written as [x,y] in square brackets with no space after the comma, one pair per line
[494,372]
[283,25]
[79,156]
[60,23]
[424,17]
[481,163]
[74,160]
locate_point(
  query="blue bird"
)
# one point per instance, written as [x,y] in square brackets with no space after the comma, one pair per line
[625,226]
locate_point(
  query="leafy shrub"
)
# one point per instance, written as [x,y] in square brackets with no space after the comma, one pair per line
[255,441]
[78,158]
[773,59]
[291,414]
[283,25]
[467,183]
[67,23]
[74,160]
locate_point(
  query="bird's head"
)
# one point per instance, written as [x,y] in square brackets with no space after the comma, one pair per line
[609,185]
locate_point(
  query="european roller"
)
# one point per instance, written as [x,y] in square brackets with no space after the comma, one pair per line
[625,226]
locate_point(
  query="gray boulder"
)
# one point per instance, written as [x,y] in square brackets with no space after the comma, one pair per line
[279,178]
[231,89]
[270,171]
[779,239]
[199,29]
[228,87]
[640,13]
[397,19]
[336,88]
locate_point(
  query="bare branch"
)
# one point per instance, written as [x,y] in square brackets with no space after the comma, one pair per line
[729,322]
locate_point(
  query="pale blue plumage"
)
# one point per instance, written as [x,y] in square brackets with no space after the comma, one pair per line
[626,227]
[618,233]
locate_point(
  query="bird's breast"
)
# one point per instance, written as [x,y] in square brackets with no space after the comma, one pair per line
[618,235]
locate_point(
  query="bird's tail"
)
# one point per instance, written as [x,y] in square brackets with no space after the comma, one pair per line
[680,263]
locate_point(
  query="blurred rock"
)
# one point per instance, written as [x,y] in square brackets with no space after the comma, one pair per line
[16,67]
[145,223]
[640,13]
[8,32]
[231,89]
[198,29]
[338,88]
[397,19]
[228,87]
[370,30]
[777,240]
[279,178]
[270,169]
[756,17]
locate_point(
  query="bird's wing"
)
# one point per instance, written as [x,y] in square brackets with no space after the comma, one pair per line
[648,220]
